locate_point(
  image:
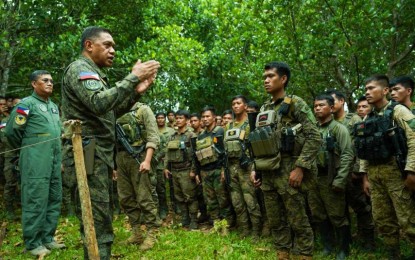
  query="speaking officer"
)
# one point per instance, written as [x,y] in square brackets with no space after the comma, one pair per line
[88,96]
[34,125]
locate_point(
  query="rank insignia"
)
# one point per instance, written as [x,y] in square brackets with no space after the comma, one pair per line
[20,119]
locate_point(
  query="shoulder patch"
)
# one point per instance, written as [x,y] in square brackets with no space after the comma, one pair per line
[90,80]
[20,119]
[88,75]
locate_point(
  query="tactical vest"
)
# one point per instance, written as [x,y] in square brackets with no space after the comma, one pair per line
[235,140]
[177,150]
[329,146]
[376,138]
[133,127]
[207,150]
[275,133]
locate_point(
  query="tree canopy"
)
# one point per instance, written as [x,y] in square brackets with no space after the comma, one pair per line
[212,50]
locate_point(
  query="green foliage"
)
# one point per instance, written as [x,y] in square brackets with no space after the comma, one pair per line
[213,50]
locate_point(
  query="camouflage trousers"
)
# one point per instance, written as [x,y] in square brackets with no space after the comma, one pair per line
[11,185]
[135,192]
[100,187]
[69,186]
[215,194]
[185,189]
[243,197]
[326,204]
[286,211]
[392,203]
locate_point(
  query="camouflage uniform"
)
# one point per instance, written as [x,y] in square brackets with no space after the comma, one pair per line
[355,196]
[184,186]
[36,121]
[164,134]
[87,96]
[392,203]
[285,205]
[11,186]
[241,188]
[134,188]
[214,190]
[328,207]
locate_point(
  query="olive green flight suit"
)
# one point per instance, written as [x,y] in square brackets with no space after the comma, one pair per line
[34,125]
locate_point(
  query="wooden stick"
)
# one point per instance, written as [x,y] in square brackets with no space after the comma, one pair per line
[85,198]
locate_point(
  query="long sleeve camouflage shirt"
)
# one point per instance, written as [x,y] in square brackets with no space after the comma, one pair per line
[88,97]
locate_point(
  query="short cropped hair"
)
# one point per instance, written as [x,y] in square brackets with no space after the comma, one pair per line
[91,33]
[339,95]
[380,78]
[209,108]
[161,114]
[183,112]
[281,68]
[195,115]
[37,73]
[328,98]
[405,81]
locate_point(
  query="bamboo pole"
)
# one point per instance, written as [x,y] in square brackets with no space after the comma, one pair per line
[85,198]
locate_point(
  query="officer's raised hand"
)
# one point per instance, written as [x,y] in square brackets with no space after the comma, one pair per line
[144,70]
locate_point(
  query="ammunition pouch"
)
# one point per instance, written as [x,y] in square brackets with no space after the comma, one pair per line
[371,140]
[175,151]
[232,143]
[206,152]
[287,140]
[265,148]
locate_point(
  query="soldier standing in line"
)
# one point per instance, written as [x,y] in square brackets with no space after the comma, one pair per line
[197,125]
[328,200]
[248,214]
[363,107]
[35,127]
[170,117]
[164,133]
[289,166]
[88,96]
[179,165]
[133,179]
[390,173]
[402,89]
[226,117]
[210,156]
[355,196]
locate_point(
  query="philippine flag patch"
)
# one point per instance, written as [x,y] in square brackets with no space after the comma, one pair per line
[88,75]
[23,111]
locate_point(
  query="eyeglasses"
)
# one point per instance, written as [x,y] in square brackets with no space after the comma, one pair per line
[46,80]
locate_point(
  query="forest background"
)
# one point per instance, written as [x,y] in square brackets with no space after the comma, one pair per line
[211,50]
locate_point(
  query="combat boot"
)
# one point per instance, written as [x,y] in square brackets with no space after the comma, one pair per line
[136,237]
[327,237]
[368,237]
[344,242]
[193,221]
[185,215]
[283,255]
[149,241]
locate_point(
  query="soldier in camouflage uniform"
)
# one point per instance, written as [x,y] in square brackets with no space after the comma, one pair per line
[179,165]
[87,96]
[284,201]
[393,203]
[363,107]
[239,166]
[164,132]
[133,182]
[328,200]
[196,124]
[402,90]
[355,196]
[170,117]
[209,166]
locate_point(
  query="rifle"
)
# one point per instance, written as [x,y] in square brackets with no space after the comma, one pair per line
[399,146]
[123,139]
[252,125]
[331,164]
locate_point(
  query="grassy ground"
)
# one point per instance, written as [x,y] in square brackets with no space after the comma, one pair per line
[173,243]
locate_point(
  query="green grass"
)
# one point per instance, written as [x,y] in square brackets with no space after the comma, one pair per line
[173,243]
